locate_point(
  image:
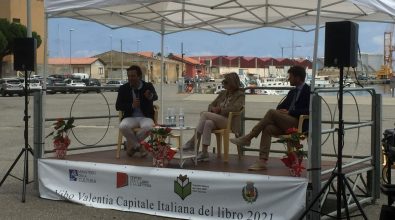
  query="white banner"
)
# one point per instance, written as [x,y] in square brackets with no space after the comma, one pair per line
[177,193]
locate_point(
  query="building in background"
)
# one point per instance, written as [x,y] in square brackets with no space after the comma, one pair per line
[259,66]
[149,62]
[191,67]
[94,67]
[112,65]
[15,11]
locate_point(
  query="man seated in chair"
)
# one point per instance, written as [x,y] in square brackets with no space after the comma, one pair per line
[136,100]
[277,121]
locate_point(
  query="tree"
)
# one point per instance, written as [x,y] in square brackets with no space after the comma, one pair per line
[8,33]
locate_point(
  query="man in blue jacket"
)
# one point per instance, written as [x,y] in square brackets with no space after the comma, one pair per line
[277,121]
[136,99]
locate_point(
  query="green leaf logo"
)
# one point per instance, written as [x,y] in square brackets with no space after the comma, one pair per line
[182,186]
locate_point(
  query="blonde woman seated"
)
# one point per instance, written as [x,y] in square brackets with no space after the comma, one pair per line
[230,100]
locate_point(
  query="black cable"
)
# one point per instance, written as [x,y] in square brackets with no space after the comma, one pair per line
[331,118]
[355,72]
[359,120]
[108,123]
[357,80]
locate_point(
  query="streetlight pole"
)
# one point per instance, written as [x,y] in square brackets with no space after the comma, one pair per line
[111,56]
[138,45]
[121,61]
[182,59]
[293,44]
[292,47]
[70,30]
[293,33]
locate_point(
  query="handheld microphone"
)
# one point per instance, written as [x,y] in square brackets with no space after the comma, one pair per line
[136,93]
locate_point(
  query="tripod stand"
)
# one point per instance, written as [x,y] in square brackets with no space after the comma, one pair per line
[338,173]
[25,150]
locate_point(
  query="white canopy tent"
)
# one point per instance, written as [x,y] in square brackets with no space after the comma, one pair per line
[222,16]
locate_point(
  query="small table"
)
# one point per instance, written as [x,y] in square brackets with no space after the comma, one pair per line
[181,155]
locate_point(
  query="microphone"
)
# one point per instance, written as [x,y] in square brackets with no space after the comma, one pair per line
[136,93]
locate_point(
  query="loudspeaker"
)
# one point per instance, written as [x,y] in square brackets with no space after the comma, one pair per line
[25,54]
[387,212]
[341,44]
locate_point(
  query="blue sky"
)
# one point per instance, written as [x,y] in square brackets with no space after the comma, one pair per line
[90,38]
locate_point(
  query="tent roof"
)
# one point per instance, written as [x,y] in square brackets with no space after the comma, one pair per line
[222,16]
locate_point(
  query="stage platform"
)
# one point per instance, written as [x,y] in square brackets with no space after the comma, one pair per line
[235,165]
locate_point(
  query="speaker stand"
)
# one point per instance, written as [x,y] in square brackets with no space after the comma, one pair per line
[342,181]
[25,150]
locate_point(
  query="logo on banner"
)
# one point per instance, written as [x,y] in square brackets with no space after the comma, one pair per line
[250,192]
[83,176]
[73,174]
[123,179]
[182,186]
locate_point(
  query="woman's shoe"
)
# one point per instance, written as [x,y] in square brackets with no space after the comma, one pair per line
[203,156]
[188,146]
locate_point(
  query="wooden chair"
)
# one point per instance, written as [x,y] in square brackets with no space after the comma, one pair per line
[120,136]
[302,118]
[222,136]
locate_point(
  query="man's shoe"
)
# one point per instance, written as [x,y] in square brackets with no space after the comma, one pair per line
[188,146]
[202,157]
[132,151]
[143,152]
[259,165]
[241,141]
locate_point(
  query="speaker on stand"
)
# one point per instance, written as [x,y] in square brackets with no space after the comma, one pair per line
[341,50]
[24,60]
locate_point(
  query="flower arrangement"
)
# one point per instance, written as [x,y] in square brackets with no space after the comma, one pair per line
[295,153]
[60,133]
[156,145]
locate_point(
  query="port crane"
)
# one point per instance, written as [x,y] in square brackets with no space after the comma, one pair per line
[386,71]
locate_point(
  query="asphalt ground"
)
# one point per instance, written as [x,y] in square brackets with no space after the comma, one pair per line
[92,130]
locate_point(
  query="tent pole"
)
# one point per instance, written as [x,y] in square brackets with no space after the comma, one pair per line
[29,18]
[314,153]
[162,67]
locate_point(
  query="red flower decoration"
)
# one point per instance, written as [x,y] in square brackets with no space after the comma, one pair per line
[291,130]
[157,146]
[294,156]
[61,141]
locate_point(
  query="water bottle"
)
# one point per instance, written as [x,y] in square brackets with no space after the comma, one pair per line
[167,118]
[181,118]
[172,117]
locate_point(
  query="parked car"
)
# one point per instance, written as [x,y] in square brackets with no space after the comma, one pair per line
[114,85]
[219,88]
[75,85]
[55,85]
[34,84]
[80,76]
[11,86]
[57,76]
[92,85]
